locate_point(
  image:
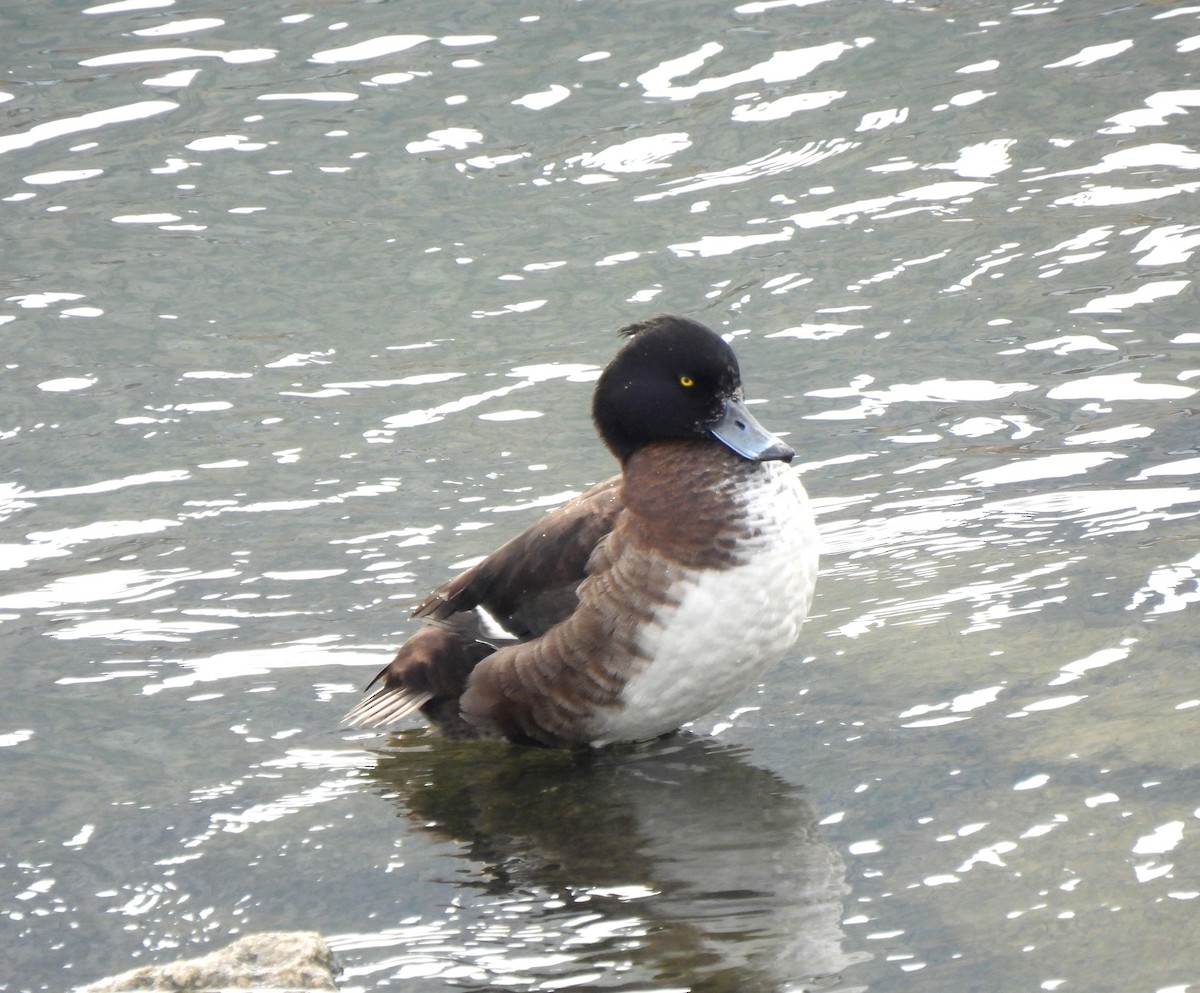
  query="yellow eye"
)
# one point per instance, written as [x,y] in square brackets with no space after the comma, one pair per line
[686,381]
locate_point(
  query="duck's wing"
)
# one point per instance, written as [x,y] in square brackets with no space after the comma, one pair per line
[547,689]
[527,586]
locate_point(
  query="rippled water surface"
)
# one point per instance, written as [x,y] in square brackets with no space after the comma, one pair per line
[301,305]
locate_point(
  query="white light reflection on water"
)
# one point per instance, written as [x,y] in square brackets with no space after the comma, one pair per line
[125,585]
[236,821]
[85,122]
[527,376]
[232,666]
[782,66]
[962,526]
[233,57]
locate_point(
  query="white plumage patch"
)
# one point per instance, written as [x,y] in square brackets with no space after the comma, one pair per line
[728,625]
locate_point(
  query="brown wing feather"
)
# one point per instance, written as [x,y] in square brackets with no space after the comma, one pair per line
[544,690]
[528,584]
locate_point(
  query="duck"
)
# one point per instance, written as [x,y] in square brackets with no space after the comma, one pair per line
[644,602]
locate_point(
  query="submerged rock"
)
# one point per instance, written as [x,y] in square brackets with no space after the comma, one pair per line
[275,960]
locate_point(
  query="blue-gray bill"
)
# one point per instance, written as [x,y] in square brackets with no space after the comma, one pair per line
[739,431]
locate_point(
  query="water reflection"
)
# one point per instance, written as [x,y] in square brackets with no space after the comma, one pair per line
[676,861]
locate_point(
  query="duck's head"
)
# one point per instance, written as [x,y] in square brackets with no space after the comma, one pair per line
[676,380]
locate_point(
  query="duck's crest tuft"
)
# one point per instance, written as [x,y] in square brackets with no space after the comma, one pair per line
[637,328]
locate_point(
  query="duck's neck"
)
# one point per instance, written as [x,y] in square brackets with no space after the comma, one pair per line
[686,499]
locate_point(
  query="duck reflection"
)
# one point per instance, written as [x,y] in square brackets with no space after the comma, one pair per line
[675,862]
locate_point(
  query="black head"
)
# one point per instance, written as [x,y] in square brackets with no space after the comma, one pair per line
[676,380]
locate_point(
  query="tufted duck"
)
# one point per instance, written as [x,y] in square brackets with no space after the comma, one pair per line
[642,603]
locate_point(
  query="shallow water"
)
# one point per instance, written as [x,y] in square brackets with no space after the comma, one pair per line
[301,309]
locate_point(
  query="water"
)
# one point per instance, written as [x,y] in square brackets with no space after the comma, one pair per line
[301,309]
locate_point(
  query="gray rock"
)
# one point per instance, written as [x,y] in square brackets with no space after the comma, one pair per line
[275,960]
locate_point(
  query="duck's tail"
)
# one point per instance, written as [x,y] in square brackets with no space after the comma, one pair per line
[428,674]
